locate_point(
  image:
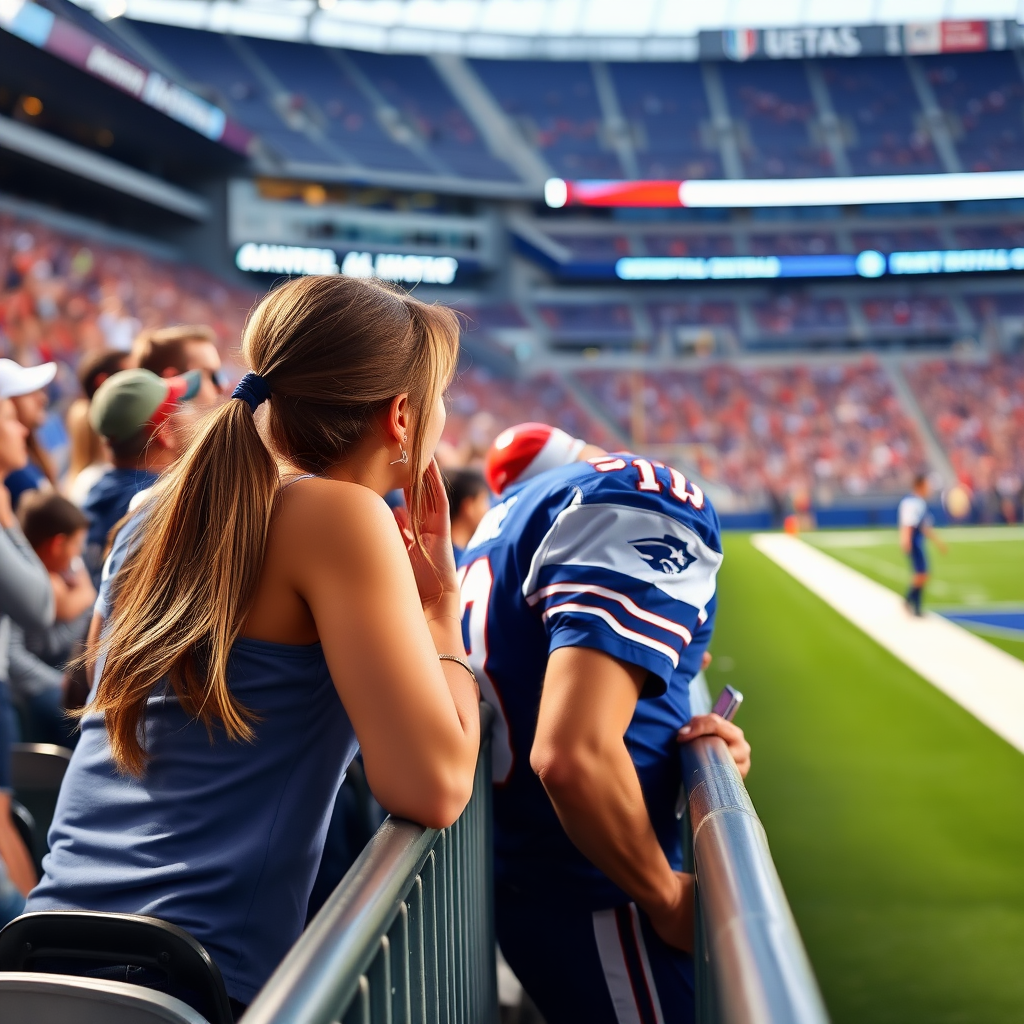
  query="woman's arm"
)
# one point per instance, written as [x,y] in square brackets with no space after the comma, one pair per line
[416,717]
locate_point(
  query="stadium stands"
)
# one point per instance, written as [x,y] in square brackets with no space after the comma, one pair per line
[976,409]
[796,315]
[876,103]
[773,104]
[61,296]
[983,96]
[832,430]
[668,113]
[393,112]
[481,405]
[555,105]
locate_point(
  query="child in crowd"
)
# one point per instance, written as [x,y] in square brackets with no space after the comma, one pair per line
[56,529]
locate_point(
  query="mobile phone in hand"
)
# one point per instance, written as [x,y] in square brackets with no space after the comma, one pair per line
[728,703]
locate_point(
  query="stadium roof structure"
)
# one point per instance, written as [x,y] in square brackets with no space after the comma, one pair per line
[556,29]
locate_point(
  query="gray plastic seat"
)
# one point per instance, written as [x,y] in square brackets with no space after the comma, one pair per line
[37,770]
[63,999]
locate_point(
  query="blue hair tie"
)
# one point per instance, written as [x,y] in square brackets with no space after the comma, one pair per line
[252,389]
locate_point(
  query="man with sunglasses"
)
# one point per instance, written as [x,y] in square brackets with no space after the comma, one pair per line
[172,351]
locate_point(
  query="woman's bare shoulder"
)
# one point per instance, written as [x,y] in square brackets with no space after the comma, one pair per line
[321,514]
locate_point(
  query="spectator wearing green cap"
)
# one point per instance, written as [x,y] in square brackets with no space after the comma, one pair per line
[132,411]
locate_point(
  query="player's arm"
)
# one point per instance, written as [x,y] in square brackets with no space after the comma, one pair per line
[579,754]
[932,534]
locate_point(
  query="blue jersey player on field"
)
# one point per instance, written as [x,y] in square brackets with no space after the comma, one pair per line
[588,598]
[915,523]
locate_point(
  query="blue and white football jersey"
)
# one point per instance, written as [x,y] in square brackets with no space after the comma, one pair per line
[619,554]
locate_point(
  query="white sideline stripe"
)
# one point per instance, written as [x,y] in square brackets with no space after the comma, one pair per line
[606,616]
[982,679]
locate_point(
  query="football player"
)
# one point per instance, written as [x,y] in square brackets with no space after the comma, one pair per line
[588,599]
[915,522]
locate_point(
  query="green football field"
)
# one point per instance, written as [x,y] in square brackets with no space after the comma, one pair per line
[896,819]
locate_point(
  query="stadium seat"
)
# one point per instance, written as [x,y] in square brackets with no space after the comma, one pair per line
[25,823]
[63,999]
[144,951]
[37,770]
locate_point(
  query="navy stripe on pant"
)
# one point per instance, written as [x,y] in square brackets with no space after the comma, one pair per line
[602,967]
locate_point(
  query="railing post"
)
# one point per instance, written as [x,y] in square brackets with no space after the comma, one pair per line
[408,934]
[750,964]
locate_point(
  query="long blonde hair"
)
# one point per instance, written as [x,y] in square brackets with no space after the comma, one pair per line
[335,351]
[86,445]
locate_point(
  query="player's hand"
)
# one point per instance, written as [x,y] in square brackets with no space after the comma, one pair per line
[435,576]
[674,921]
[705,660]
[715,725]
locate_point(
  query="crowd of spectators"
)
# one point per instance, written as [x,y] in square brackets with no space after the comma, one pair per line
[80,441]
[481,405]
[977,412]
[827,431]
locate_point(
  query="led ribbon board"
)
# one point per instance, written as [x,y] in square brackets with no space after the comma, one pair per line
[868,263]
[752,193]
[296,259]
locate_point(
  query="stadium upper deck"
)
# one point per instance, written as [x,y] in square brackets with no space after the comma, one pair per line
[348,110]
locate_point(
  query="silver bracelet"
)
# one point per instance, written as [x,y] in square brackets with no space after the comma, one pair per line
[458,661]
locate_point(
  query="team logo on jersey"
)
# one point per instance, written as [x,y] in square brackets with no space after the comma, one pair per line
[666,554]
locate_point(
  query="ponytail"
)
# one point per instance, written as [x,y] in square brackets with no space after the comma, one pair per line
[192,581]
[331,353]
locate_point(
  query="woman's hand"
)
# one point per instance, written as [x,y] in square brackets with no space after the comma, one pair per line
[435,577]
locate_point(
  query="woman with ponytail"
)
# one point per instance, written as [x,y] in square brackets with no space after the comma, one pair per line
[267,618]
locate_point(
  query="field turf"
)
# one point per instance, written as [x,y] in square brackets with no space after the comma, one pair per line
[894,817]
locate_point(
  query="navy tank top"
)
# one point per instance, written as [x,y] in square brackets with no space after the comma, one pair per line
[221,838]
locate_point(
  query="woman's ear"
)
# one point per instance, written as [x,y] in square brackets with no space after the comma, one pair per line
[399,418]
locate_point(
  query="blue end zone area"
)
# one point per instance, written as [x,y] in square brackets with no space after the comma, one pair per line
[1006,622]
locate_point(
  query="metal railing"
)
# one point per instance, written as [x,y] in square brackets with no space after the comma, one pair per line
[408,934]
[750,964]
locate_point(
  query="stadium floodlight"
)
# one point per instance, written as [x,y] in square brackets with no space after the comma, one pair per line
[764,192]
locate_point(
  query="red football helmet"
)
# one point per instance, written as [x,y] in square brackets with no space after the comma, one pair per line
[523,451]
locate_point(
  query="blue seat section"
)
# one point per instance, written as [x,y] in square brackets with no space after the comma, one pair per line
[799,315]
[876,100]
[984,93]
[344,113]
[411,84]
[668,109]
[207,58]
[555,104]
[772,101]
[592,248]
[588,321]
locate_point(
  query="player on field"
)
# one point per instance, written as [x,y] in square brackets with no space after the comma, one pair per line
[588,598]
[915,522]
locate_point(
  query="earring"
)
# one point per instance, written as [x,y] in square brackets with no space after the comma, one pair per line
[404,460]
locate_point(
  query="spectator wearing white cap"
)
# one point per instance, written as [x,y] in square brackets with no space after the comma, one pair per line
[26,596]
[26,387]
